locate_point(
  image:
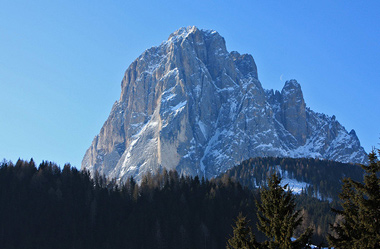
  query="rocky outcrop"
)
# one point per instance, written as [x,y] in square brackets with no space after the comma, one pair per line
[192,106]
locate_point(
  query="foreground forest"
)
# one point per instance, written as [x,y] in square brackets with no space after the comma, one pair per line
[55,208]
[50,207]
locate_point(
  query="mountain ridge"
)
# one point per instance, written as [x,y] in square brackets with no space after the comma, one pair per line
[190,105]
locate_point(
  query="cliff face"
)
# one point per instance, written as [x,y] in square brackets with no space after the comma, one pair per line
[192,106]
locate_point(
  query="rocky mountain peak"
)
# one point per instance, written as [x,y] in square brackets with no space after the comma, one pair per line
[292,83]
[245,64]
[184,32]
[190,105]
[293,115]
[291,88]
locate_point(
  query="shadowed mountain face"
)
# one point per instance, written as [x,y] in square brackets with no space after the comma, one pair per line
[191,105]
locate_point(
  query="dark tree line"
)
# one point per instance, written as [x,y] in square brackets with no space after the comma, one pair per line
[49,207]
[324,176]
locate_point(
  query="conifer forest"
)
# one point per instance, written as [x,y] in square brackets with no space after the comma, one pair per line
[55,207]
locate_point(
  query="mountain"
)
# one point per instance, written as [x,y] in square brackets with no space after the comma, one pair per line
[191,105]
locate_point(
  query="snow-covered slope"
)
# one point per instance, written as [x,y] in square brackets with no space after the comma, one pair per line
[192,106]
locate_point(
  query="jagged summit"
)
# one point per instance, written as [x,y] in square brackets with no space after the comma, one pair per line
[190,105]
[291,87]
[186,31]
[292,83]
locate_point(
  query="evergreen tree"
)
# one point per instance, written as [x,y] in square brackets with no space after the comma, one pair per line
[360,223]
[278,218]
[243,237]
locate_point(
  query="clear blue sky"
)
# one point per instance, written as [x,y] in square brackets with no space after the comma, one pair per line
[61,62]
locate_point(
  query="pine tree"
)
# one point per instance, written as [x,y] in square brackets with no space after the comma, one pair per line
[243,237]
[360,217]
[278,218]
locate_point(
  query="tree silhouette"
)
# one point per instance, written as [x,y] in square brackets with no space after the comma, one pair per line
[243,237]
[359,225]
[278,218]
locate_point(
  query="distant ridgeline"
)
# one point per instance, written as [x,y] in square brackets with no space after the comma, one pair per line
[314,177]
